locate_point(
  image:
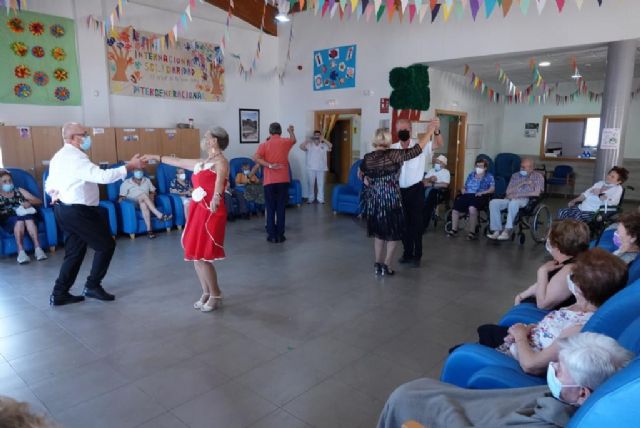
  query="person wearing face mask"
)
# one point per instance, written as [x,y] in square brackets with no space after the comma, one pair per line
[248,178]
[181,187]
[584,362]
[73,186]
[627,236]
[139,190]
[317,149]
[17,214]
[522,185]
[435,181]
[477,190]
[412,190]
[605,192]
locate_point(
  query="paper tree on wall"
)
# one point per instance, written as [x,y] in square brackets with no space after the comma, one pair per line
[410,95]
[119,52]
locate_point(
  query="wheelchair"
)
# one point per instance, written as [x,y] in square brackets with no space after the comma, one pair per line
[535,217]
[606,216]
[483,220]
[443,198]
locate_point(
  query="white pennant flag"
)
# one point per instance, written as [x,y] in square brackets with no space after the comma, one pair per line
[418,5]
[188,12]
[579,3]
[403,4]
[541,4]
[423,12]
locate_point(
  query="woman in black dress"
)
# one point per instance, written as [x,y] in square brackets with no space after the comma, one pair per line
[380,199]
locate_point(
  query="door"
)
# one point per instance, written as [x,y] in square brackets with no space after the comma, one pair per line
[47,140]
[340,158]
[16,146]
[453,156]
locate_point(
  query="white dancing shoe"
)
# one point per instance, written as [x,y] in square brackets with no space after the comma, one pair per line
[198,305]
[217,302]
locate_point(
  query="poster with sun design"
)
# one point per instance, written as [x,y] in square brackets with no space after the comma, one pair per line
[334,68]
[186,70]
[38,57]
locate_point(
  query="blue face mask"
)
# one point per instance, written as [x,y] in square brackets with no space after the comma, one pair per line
[437,167]
[554,383]
[523,173]
[7,188]
[86,143]
[138,174]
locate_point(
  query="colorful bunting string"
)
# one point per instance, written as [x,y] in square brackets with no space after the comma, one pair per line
[13,5]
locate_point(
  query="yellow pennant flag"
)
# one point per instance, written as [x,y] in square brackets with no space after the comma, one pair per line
[354,5]
[446,10]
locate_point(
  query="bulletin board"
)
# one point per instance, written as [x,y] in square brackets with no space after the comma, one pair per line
[334,68]
[475,133]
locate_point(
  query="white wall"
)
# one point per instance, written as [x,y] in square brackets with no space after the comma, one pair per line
[99,108]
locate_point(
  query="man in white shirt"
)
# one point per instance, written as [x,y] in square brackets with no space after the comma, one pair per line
[73,189]
[316,148]
[412,190]
[435,182]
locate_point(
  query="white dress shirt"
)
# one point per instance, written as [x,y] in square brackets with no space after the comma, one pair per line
[442,176]
[73,177]
[412,171]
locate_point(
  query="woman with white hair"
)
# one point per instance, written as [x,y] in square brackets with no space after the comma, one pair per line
[381,200]
[203,235]
[585,362]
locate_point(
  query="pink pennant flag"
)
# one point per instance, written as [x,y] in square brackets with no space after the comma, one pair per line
[524,6]
[560,4]
[412,12]
[369,11]
[463,4]
[541,4]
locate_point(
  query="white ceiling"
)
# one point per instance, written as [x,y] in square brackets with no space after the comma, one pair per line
[591,60]
[203,11]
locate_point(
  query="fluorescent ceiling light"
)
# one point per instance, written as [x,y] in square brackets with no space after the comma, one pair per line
[544,64]
[281,17]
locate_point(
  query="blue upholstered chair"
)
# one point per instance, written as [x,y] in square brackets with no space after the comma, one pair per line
[235,166]
[481,367]
[47,229]
[346,197]
[295,190]
[505,165]
[501,186]
[164,174]
[130,218]
[562,175]
[107,205]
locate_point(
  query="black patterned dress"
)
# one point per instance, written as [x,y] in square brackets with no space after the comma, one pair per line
[381,201]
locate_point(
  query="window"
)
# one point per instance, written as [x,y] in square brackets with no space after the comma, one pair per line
[592,132]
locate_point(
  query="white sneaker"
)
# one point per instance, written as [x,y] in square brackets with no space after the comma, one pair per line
[504,236]
[310,201]
[40,255]
[493,235]
[320,202]
[23,258]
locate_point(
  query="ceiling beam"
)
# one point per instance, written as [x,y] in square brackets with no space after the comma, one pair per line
[250,11]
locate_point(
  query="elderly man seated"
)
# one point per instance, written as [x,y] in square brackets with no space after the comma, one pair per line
[523,185]
[139,190]
[435,181]
[585,361]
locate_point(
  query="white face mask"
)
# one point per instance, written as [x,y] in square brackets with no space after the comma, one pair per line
[555,386]
[182,176]
[437,166]
[479,170]
[246,171]
[547,246]
[571,285]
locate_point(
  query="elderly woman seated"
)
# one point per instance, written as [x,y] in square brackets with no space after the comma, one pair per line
[627,237]
[595,276]
[585,361]
[139,190]
[605,192]
[248,178]
[17,214]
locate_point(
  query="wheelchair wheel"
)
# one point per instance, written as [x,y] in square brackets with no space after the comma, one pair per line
[541,224]
[447,221]
[521,238]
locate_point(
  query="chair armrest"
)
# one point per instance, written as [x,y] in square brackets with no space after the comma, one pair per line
[163,202]
[50,225]
[178,209]
[128,216]
[496,377]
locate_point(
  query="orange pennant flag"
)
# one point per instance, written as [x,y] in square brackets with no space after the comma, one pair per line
[506,6]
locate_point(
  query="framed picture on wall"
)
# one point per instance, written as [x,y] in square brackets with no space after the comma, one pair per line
[249,126]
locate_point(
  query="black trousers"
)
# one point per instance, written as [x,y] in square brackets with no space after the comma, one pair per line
[430,204]
[83,226]
[275,200]
[413,203]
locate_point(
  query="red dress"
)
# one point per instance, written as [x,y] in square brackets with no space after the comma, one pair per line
[203,235]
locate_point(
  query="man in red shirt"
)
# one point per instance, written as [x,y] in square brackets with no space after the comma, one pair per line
[273,155]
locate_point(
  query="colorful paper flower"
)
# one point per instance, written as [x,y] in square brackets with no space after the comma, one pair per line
[15,25]
[21,71]
[60,74]
[36,28]
[19,48]
[40,78]
[57,30]
[342,66]
[58,54]
[62,93]
[22,90]
[37,51]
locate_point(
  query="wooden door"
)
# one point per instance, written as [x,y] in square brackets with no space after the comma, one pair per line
[453,156]
[47,140]
[16,148]
[128,143]
[103,146]
[189,143]
[340,158]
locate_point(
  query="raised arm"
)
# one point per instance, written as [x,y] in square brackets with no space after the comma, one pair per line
[304,145]
[328,144]
[189,164]
[431,129]
[292,134]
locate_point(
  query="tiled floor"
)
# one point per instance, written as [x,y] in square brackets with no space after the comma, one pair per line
[308,335]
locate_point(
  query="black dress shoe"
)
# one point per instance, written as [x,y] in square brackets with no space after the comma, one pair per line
[98,293]
[272,239]
[415,263]
[281,238]
[64,299]
[405,259]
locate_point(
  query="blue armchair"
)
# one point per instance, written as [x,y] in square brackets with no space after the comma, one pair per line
[501,187]
[107,205]
[477,366]
[235,166]
[164,174]
[505,165]
[346,197]
[295,190]
[562,176]
[130,218]
[47,229]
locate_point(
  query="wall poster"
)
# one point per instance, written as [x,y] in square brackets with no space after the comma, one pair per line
[334,68]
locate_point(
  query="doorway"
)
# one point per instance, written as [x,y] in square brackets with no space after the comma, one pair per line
[341,129]
[453,125]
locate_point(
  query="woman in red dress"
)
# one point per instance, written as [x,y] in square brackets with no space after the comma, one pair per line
[203,235]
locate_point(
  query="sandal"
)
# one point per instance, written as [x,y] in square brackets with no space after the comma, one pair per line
[377,267]
[166,217]
[452,233]
[472,236]
[151,235]
[387,271]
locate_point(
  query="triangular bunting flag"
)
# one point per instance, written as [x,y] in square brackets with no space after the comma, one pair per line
[368,11]
[354,5]
[435,11]
[380,13]
[418,5]
[446,11]
[475,7]
[506,7]
[541,4]
[423,12]
[432,4]
[579,4]
[488,7]
[524,6]
[412,12]
[599,2]
[459,6]
[390,8]
[560,4]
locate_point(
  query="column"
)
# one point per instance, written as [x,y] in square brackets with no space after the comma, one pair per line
[615,102]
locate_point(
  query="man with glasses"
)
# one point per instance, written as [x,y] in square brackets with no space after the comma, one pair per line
[73,187]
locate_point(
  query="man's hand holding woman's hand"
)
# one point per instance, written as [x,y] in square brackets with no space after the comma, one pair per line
[136,162]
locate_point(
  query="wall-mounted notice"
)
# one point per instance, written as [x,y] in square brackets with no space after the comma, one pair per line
[610,139]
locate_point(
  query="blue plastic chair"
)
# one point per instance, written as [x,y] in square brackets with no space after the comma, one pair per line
[295,190]
[562,176]
[505,165]
[130,218]
[477,366]
[346,197]
[164,174]
[501,187]
[47,229]
[491,168]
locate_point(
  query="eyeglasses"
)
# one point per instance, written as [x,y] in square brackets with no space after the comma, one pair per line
[84,134]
